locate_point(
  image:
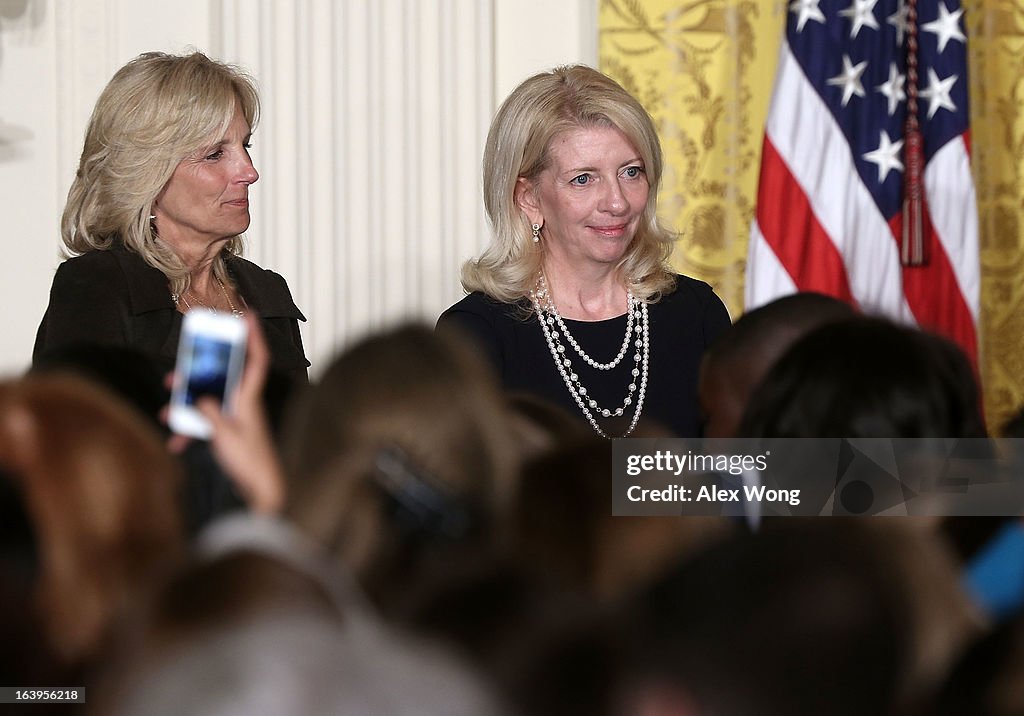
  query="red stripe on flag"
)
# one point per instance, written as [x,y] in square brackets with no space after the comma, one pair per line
[790,227]
[933,293]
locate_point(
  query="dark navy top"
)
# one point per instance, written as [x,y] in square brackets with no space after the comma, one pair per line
[682,324]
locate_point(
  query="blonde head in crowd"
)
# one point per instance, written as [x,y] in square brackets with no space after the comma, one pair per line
[157,110]
[101,493]
[411,400]
[518,145]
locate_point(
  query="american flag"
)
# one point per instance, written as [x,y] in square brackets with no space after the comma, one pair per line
[835,164]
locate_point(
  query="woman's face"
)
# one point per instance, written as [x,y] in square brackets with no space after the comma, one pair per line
[207,197]
[590,198]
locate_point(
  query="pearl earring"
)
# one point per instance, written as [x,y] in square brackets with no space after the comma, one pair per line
[536,233]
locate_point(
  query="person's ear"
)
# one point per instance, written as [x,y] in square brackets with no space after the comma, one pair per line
[20,426]
[526,199]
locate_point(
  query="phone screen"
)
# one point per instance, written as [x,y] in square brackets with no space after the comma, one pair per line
[208,369]
[210,357]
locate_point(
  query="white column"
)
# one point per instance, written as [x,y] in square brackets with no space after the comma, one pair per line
[374,119]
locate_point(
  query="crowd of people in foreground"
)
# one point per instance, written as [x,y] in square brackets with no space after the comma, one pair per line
[417,540]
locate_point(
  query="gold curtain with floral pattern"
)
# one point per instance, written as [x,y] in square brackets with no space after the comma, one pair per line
[704,70]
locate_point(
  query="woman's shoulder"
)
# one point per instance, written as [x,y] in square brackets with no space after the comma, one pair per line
[117,259]
[89,281]
[483,315]
[690,288]
[478,305]
[244,268]
[115,270]
[476,302]
[693,297]
[91,262]
[265,289]
[691,291]
[485,321]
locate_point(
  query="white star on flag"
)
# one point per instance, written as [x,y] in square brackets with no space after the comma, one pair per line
[946,27]
[893,88]
[937,93]
[899,20]
[808,10]
[861,13]
[849,79]
[886,156]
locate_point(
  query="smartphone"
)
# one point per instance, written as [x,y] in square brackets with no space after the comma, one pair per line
[211,353]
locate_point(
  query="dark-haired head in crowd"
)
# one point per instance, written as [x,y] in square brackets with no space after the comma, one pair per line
[574,300]
[738,360]
[802,619]
[867,377]
[596,553]
[155,213]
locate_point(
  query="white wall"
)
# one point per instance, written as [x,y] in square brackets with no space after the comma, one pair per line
[375,113]
[535,35]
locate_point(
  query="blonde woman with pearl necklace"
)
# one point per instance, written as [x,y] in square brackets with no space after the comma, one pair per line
[573,300]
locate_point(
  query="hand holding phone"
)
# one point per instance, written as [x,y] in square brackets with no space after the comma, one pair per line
[240,437]
[211,354]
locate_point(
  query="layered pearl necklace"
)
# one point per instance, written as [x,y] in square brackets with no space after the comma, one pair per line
[637,331]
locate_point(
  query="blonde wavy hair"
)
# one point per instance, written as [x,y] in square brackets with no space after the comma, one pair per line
[518,145]
[155,111]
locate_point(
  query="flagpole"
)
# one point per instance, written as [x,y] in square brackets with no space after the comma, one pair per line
[913,251]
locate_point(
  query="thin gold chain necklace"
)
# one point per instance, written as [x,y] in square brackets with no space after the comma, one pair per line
[238,313]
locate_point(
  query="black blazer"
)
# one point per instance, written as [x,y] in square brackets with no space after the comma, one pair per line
[113,297]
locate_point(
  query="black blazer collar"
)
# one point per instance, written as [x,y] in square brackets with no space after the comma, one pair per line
[265,291]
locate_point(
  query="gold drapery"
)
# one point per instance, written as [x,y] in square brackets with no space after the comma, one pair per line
[704,69]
